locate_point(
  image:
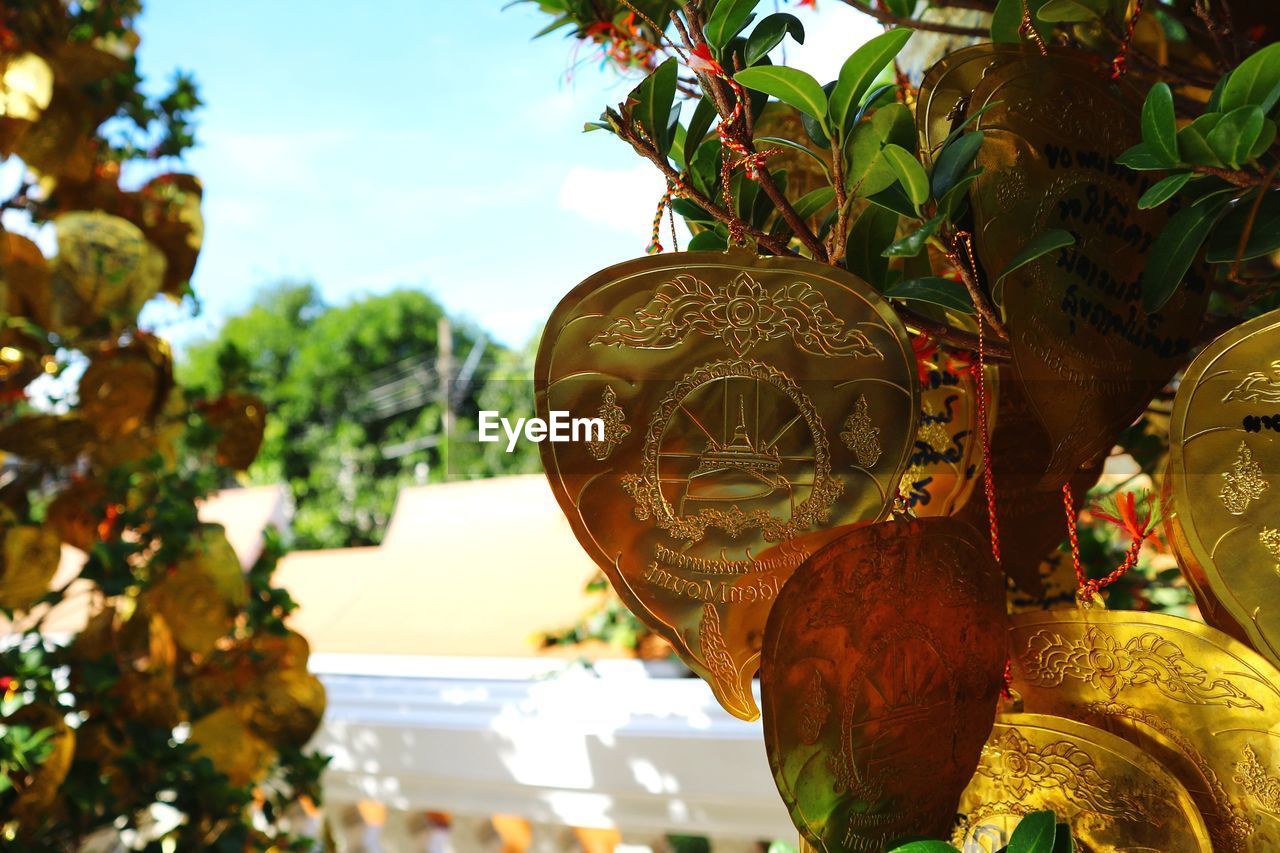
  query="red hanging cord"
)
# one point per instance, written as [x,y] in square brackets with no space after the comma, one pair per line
[1120,64]
[1127,518]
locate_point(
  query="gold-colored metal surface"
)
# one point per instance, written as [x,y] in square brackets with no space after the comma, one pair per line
[947,87]
[1115,796]
[749,404]
[1223,480]
[1203,705]
[1032,521]
[946,460]
[883,662]
[1088,354]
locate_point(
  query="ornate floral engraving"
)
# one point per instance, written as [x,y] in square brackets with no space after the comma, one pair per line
[1228,824]
[1257,387]
[1244,483]
[1262,786]
[1107,666]
[716,654]
[615,426]
[741,314]
[815,711]
[861,436]
[1021,768]
[1270,539]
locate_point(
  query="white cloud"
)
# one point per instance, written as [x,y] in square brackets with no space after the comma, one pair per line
[620,199]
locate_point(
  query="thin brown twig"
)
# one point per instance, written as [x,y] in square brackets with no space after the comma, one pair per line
[887,17]
[1231,176]
[1234,273]
[995,350]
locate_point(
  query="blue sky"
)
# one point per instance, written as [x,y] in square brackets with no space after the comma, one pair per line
[427,144]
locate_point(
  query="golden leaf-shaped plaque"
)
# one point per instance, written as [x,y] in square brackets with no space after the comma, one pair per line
[1031,516]
[1114,795]
[56,439]
[883,661]
[38,793]
[1223,480]
[75,512]
[225,739]
[123,388]
[1088,354]
[763,400]
[287,707]
[1203,705]
[169,215]
[942,104]
[241,420]
[192,604]
[108,262]
[31,555]
[25,274]
[946,461]
[26,86]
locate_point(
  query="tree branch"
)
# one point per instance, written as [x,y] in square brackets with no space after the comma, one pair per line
[886,17]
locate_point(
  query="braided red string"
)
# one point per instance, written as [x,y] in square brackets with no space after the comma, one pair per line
[664,203]
[1120,64]
[1089,587]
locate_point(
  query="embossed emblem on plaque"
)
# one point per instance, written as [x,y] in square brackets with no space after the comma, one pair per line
[724,382]
[1223,507]
[1185,693]
[882,667]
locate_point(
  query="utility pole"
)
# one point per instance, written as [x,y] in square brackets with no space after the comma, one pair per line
[444,372]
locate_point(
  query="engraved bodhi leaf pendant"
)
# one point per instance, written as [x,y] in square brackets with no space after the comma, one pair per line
[1088,353]
[1223,481]
[883,662]
[749,405]
[1202,704]
[1113,794]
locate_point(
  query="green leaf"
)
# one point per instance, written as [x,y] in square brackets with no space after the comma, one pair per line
[1265,138]
[871,234]
[953,162]
[699,126]
[704,168]
[901,8]
[1193,144]
[1264,237]
[1175,248]
[950,205]
[910,245]
[770,32]
[691,211]
[1141,157]
[1256,81]
[934,290]
[1233,137]
[811,203]
[596,125]
[796,146]
[1163,190]
[727,20]
[707,241]
[651,104]
[789,85]
[1067,12]
[1037,247]
[923,847]
[1007,20]
[1062,841]
[893,198]
[1034,834]
[910,173]
[1159,128]
[861,69]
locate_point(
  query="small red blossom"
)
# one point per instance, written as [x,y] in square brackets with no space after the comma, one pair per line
[702,62]
[1139,520]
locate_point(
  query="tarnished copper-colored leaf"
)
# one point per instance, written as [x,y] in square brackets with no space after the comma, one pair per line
[883,661]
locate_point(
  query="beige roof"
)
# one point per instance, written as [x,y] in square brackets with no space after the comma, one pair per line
[474,567]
